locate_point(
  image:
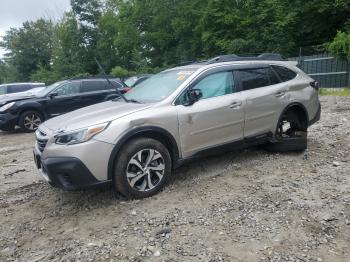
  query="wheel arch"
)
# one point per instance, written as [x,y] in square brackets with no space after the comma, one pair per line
[154,132]
[32,107]
[300,110]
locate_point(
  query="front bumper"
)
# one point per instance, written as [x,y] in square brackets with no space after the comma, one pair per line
[68,173]
[8,121]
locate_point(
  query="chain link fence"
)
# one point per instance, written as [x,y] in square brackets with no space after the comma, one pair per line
[329,71]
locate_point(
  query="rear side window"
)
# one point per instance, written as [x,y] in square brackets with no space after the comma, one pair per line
[254,78]
[284,73]
[18,88]
[272,76]
[94,85]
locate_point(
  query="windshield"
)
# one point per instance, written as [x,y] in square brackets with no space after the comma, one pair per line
[159,86]
[45,91]
[131,81]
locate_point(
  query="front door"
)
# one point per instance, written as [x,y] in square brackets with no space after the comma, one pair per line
[216,119]
[66,99]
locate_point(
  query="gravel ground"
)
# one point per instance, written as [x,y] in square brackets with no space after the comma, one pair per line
[243,206]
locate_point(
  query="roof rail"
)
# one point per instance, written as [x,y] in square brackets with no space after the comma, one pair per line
[92,77]
[231,58]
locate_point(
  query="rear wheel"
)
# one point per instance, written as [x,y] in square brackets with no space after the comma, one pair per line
[291,135]
[29,121]
[142,169]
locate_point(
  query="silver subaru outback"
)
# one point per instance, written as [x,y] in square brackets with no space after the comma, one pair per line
[175,116]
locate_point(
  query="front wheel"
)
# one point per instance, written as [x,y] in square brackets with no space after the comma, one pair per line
[142,169]
[29,121]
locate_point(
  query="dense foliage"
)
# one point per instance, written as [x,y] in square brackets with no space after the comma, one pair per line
[148,35]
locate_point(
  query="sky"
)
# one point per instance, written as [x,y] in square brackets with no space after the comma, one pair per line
[14,12]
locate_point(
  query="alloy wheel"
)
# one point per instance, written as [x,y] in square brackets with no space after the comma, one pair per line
[145,170]
[32,122]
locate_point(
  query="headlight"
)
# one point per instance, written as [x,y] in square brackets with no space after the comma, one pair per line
[80,136]
[7,107]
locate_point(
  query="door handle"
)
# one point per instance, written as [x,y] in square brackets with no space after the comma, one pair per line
[235,104]
[280,94]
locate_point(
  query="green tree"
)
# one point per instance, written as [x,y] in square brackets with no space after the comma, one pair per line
[29,46]
[340,46]
[120,72]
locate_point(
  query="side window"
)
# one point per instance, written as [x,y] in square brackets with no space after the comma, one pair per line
[70,88]
[93,85]
[254,78]
[2,90]
[272,76]
[17,88]
[217,84]
[284,73]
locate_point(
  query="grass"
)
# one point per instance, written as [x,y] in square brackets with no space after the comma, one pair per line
[335,91]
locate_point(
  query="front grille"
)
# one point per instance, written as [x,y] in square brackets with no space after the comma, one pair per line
[41,140]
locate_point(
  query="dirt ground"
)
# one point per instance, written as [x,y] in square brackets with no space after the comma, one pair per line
[249,205]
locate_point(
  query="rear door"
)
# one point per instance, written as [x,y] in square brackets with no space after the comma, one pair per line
[66,100]
[94,91]
[265,99]
[214,120]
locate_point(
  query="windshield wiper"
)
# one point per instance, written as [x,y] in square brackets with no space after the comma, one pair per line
[134,101]
[109,82]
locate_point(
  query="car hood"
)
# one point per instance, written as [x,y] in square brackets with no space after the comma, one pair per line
[4,99]
[92,115]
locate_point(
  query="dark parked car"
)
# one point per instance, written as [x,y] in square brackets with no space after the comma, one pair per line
[6,89]
[60,98]
[135,80]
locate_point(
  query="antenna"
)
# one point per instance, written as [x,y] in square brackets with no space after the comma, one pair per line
[109,82]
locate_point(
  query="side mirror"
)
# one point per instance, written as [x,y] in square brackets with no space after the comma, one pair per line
[193,96]
[53,95]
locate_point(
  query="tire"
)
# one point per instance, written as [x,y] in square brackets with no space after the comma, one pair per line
[288,145]
[133,177]
[29,121]
[292,138]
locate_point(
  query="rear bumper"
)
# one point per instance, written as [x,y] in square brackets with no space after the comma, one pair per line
[8,121]
[317,116]
[67,173]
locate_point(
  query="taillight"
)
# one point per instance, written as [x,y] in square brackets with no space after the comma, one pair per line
[315,85]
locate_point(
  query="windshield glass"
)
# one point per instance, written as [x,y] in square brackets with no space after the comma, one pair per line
[159,86]
[45,91]
[131,81]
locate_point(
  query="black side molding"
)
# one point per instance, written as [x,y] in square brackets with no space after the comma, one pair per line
[232,146]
